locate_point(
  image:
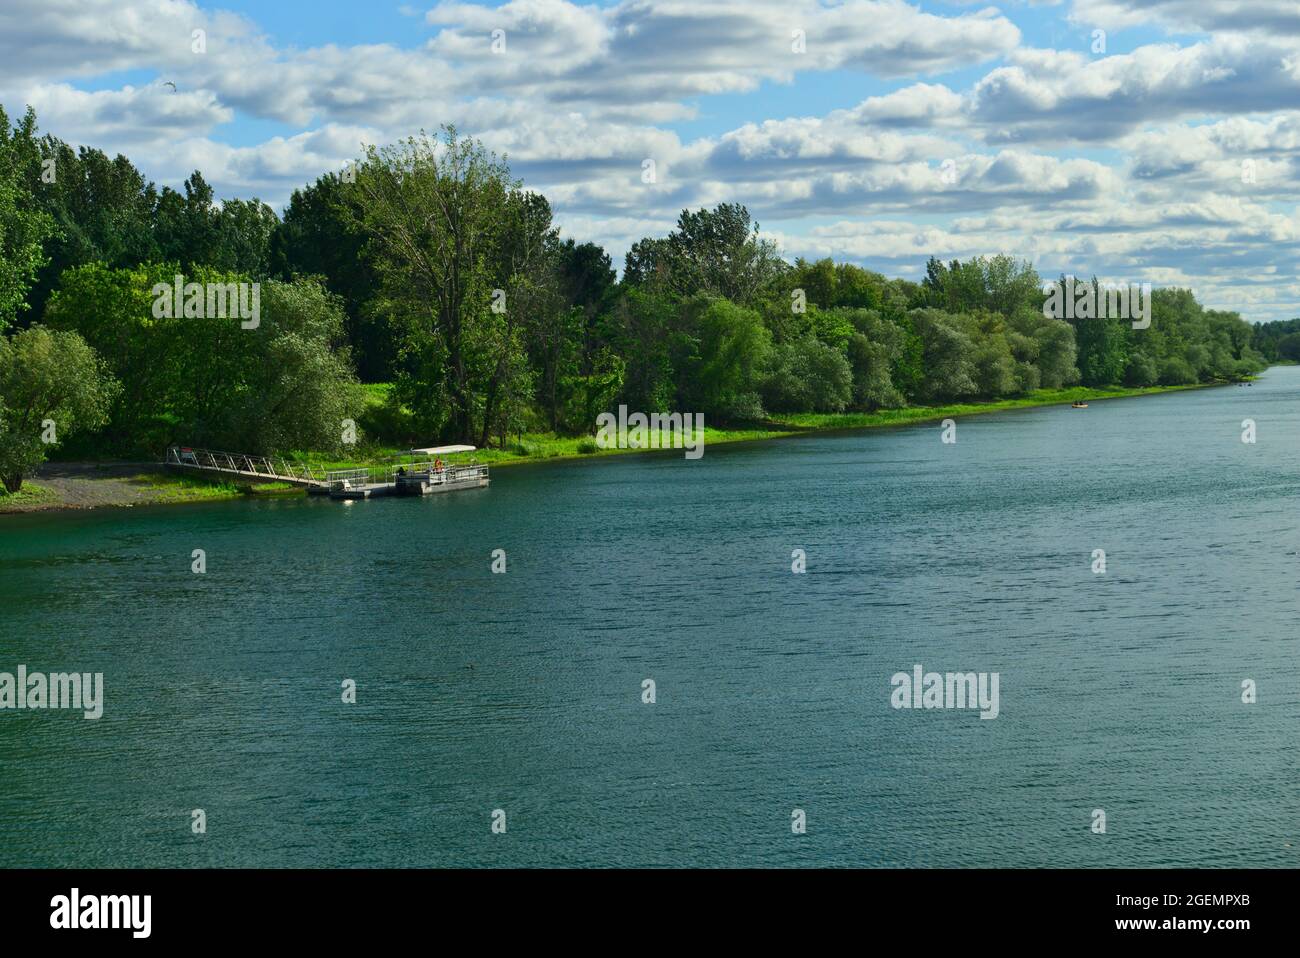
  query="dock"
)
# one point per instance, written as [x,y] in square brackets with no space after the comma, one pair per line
[417,479]
[422,477]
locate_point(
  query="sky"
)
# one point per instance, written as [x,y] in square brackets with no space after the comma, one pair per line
[1136,140]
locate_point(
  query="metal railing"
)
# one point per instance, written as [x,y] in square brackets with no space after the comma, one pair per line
[447,472]
[349,478]
[267,467]
[461,473]
[279,469]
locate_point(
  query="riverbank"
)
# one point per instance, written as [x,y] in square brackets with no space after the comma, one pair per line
[82,485]
[96,485]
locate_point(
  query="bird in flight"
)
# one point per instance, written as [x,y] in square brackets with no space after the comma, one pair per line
[170,84]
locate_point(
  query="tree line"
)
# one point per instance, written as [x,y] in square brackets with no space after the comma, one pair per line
[426,265]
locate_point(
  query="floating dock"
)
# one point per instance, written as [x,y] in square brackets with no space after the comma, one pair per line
[424,479]
[420,472]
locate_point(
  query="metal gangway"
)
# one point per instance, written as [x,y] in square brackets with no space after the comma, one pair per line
[269,468]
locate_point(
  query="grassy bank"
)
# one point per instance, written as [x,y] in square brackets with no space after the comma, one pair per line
[90,485]
[535,447]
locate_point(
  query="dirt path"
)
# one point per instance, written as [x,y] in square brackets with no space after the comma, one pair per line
[86,485]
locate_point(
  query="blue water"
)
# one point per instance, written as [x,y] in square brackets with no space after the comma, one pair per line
[523,691]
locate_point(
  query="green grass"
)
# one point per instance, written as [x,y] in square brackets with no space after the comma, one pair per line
[30,494]
[911,414]
[376,393]
[166,487]
[538,447]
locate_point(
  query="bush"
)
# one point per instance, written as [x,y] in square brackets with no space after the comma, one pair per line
[587,445]
[1175,371]
[808,376]
[745,407]
[1141,370]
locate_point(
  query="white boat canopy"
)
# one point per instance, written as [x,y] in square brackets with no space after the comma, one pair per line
[440,450]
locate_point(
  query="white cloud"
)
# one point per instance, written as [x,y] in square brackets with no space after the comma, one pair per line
[1269,17]
[1127,165]
[127,116]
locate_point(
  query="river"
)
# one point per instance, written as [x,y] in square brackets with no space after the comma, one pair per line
[523,691]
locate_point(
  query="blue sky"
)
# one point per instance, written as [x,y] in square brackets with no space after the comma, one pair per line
[1168,154]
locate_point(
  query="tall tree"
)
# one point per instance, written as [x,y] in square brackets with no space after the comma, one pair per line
[440,214]
[23,226]
[1101,342]
[317,237]
[244,232]
[188,227]
[717,252]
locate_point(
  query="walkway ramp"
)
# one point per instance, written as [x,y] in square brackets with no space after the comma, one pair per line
[237,464]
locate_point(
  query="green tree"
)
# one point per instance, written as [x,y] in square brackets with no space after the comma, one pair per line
[1053,353]
[23,226]
[1266,337]
[447,226]
[294,388]
[873,350]
[527,275]
[318,237]
[715,252]
[1288,347]
[595,375]
[999,284]
[209,380]
[640,329]
[187,226]
[1102,343]
[646,266]
[1141,370]
[994,368]
[948,356]
[807,376]
[52,385]
[102,210]
[722,349]
[244,237]
[113,310]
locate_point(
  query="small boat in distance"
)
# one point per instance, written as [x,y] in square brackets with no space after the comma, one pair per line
[1078,405]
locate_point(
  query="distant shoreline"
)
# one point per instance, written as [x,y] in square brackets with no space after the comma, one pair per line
[65,486]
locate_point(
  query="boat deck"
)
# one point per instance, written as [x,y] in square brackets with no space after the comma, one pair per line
[424,480]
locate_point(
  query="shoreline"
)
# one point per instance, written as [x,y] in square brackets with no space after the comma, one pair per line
[76,486]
